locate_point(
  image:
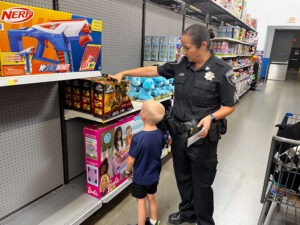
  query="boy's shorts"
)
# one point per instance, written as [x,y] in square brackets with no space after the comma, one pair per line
[141,191]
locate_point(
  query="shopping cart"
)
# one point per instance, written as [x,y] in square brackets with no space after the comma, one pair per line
[282,179]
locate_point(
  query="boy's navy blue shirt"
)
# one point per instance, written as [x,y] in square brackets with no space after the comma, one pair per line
[146,147]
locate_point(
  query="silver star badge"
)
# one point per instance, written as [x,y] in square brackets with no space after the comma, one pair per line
[209,76]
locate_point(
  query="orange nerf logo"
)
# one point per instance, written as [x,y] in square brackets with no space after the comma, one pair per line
[16,15]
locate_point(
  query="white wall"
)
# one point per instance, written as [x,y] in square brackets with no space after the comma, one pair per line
[272,13]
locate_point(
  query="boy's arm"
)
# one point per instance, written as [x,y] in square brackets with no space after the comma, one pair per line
[129,164]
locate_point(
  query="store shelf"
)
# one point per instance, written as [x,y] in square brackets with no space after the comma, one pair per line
[244,92]
[226,56]
[151,63]
[66,205]
[241,67]
[231,40]
[41,78]
[244,55]
[212,8]
[70,114]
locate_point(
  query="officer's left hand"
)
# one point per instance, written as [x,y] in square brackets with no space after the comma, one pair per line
[205,122]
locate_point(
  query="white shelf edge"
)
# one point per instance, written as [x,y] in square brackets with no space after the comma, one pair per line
[225,56]
[42,78]
[71,114]
[150,63]
[241,67]
[232,40]
[115,192]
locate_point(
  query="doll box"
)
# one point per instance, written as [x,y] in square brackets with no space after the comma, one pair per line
[106,151]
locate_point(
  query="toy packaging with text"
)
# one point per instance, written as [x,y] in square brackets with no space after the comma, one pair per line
[106,151]
[36,40]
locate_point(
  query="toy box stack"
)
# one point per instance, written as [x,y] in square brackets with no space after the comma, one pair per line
[147,48]
[172,48]
[106,151]
[36,40]
[98,96]
[163,48]
[155,48]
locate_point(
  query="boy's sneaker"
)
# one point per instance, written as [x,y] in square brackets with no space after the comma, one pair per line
[149,223]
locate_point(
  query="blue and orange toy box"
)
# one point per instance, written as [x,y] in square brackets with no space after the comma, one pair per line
[36,40]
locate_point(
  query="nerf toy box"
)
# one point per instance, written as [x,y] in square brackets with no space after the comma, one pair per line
[106,151]
[36,40]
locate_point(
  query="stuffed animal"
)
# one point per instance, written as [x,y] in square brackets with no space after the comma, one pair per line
[158,81]
[156,92]
[134,87]
[145,92]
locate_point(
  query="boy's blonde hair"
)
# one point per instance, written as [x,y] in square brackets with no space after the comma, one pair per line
[153,111]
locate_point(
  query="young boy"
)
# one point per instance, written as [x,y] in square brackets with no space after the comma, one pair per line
[144,163]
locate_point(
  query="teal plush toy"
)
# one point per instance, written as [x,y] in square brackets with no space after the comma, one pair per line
[134,87]
[156,92]
[158,81]
[145,91]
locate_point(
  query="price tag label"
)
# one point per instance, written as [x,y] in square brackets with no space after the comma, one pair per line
[12,82]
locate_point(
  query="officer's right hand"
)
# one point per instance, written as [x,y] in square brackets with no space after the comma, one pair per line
[119,77]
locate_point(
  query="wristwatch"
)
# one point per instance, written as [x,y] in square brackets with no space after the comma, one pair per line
[213,118]
[128,173]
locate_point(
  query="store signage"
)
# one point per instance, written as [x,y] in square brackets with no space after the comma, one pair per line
[16,15]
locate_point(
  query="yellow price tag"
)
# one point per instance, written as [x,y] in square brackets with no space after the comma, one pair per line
[11,82]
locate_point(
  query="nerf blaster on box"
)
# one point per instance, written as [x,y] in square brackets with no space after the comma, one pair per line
[59,33]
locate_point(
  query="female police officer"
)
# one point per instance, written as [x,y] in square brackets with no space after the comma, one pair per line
[205,92]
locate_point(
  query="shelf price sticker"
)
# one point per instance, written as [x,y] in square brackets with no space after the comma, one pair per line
[12,82]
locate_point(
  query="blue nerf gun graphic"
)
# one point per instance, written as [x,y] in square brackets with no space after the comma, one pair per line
[60,34]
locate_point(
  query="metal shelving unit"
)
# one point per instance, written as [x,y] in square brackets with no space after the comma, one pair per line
[214,9]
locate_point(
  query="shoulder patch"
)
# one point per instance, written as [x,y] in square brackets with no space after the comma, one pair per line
[230,77]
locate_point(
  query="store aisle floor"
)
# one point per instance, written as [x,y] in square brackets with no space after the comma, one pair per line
[243,153]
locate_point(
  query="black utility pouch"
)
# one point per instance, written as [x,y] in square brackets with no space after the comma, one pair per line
[222,125]
[170,122]
[213,133]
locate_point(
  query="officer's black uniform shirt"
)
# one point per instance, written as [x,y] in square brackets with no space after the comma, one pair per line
[200,92]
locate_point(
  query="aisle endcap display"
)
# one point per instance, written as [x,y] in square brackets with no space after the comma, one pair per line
[55,42]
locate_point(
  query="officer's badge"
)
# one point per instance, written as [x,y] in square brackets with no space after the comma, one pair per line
[209,76]
[230,77]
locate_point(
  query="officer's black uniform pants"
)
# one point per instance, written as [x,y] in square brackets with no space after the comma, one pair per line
[195,170]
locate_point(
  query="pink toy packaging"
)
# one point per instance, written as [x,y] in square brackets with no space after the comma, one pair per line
[106,151]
